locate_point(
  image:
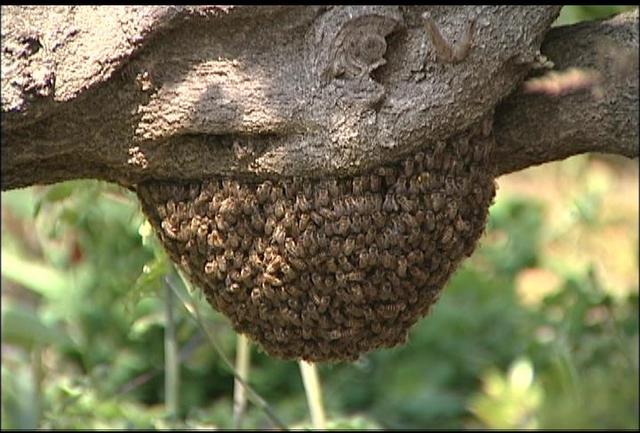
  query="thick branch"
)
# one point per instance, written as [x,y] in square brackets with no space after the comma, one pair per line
[261,92]
[532,128]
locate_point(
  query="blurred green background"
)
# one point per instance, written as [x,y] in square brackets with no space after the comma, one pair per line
[539,329]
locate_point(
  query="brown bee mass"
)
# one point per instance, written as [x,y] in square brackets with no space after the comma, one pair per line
[325,270]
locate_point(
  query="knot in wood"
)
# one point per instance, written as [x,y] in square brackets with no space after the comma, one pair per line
[353,40]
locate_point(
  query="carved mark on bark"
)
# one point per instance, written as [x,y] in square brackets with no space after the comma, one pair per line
[445,51]
[360,47]
[356,41]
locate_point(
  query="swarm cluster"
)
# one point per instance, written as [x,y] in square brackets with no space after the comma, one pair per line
[325,270]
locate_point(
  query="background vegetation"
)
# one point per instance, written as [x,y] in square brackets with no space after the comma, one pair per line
[538,329]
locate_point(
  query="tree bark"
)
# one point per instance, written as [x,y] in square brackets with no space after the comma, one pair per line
[127,94]
[533,129]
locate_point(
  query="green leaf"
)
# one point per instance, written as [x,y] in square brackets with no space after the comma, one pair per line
[38,277]
[148,282]
[23,327]
[55,193]
[18,394]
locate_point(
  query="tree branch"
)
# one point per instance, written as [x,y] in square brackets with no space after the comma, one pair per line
[603,117]
[251,92]
[58,136]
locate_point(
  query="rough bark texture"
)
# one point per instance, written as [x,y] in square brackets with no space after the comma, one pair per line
[193,93]
[533,129]
[132,93]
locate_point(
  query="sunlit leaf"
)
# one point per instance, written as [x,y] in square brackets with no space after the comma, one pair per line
[36,276]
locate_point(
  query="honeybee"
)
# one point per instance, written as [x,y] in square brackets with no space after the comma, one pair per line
[329,229]
[210,267]
[379,220]
[408,167]
[270,280]
[343,226]
[406,205]
[348,246]
[162,211]
[291,188]
[338,210]
[269,226]
[390,311]
[307,334]
[338,317]
[278,209]
[447,237]
[245,274]
[334,334]
[233,242]
[316,218]
[418,275]
[288,273]
[356,294]
[297,264]
[363,260]
[322,302]
[388,174]
[356,276]
[322,240]
[275,264]
[321,198]
[368,314]
[263,191]
[326,213]
[430,220]
[375,182]
[387,260]
[390,204]
[334,247]
[169,229]
[357,185]
[292,317]
[376,327]
[292,300]
[401,270]
[386,292]
[247,206]
[302,204]
[316,279]
[303,222]
[345,264]
[232,276]
[333,188]
[279,235]
[277,194]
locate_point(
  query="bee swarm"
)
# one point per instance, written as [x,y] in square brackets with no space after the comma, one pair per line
[325,270]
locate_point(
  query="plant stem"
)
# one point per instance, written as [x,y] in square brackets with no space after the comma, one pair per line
[193,310]
[172,364]
[314,394]
[243,356]
[38,376]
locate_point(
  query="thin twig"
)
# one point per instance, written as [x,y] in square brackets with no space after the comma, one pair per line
[172,362]
[243,356]
[145,377]
[37,372]
[314,394]
[252,395]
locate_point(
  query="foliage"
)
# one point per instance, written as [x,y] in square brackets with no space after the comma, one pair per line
[538,329]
